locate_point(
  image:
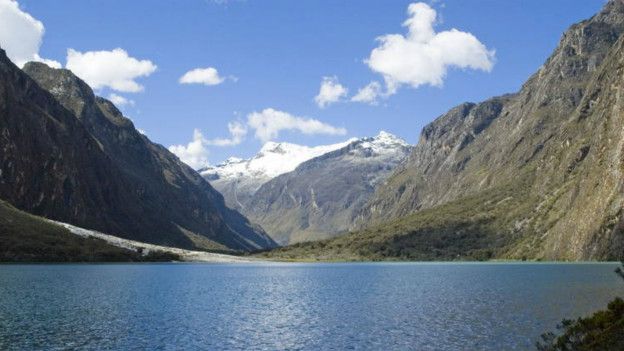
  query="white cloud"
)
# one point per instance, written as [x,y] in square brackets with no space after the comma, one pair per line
[368,94]
[114,69]
[194,153]
[330,92]
[269,123]
[238,131]
[51,63]
[424,56]
[21,35]
[119,100]
[206,76]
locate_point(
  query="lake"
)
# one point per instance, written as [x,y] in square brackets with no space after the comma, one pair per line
[359,306]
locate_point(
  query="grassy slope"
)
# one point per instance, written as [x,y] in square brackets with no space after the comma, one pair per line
[478,227]
[27,238]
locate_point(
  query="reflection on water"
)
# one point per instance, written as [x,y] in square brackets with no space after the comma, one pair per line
[441,306]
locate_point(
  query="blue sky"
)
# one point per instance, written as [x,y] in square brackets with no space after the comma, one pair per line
[274,55]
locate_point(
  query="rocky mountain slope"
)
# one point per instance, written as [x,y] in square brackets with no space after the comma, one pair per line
[322,196]
[238,179]
[71,156]
[28,238]
[536,174]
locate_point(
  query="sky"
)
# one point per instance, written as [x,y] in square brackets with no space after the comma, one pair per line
[212,79]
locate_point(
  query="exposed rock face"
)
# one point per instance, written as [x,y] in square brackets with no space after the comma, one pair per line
[537,174]
[71,156]
[563,132]
[238,179]
[322,196]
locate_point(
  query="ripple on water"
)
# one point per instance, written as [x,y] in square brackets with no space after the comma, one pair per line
[294,306]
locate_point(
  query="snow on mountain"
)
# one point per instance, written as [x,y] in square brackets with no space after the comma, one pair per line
[272,160]
[238,179]
[384,142]
[323,196]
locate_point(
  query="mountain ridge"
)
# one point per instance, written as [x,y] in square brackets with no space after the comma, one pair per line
[238,179]
[321,196]
[71,156]
[535,174]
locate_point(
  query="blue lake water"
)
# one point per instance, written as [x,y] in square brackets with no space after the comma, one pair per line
[386,306]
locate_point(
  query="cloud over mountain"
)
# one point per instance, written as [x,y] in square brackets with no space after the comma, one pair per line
[266,124]
[119,100]
[114,69]
[237,130]
[195,153]
[205,76]
[423,56]
[368,94]
[269,122]
[21,35]
[331,91]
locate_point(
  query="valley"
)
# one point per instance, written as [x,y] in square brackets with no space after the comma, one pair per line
[533,175]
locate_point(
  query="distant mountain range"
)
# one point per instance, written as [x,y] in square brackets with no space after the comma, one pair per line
[538,174]
[238,179]
[71,156]
[299,193]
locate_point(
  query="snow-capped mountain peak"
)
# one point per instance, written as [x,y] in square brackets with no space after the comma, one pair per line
[383,143]
[272,160]
[238,179]
[389,139]
[233,160]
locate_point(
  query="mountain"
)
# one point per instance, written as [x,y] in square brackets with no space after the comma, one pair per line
[322,196]
[300,193]
[28,238]
[73,157]
[238,179]
[536,174]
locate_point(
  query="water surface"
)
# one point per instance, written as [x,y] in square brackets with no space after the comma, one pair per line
[390,306]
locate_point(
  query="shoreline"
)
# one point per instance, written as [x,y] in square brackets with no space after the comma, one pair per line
[194,256]
[184,254]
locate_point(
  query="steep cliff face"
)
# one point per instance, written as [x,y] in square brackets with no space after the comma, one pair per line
[322,196]
[535,174]
[561,130]
[71,156]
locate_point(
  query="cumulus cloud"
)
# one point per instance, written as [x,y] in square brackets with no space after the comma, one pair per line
[238,131]
[424,56]
[330,92]
[119,100]
[114,69]
[205,76]
[195,153]
[368,94]
[21,35]
[269,123]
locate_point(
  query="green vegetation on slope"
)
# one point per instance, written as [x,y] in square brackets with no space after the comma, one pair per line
[27,238]
[478,227]
[604,330]
[565,124]
[560,136]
